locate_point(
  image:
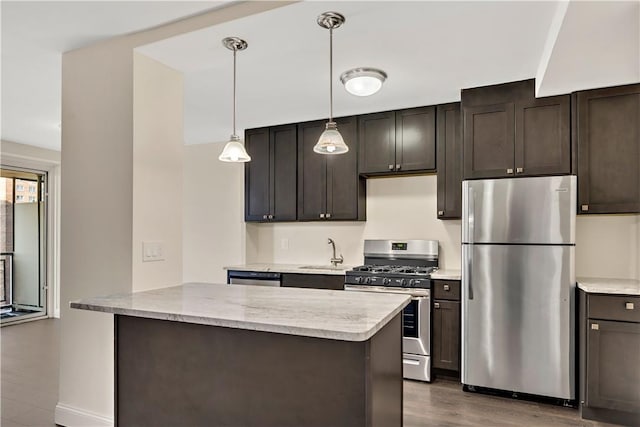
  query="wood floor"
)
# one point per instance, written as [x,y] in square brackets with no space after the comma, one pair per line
[29,391]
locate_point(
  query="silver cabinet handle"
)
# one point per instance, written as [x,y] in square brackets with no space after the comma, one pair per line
[629,306]
[390,167]
[585,207]
[509,171]
[328,215]
[436,305]
[595,326]
[411,362]
[440,213]
[519,170]
[264,216]
[446,288]
[398,166]
[321,215]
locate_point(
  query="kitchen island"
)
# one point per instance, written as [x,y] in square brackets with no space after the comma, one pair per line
[204,354]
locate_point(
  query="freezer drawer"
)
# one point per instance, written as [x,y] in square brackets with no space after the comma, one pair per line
[518,323]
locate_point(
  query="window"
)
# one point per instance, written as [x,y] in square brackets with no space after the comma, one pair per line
[19,187]
[19,197]
[32,198]
[32,189]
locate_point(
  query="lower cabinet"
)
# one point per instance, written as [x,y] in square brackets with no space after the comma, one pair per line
[611,358]
[446,326]
[316,281]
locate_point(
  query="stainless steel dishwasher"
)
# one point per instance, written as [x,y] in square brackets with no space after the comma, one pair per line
[260,278]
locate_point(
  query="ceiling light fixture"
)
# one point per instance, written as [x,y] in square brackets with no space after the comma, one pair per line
[234,150]
[330,141]
[363,81]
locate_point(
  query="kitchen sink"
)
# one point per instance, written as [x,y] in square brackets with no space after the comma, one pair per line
[320,267]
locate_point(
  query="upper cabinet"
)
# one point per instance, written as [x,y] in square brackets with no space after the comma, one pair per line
[270,176]
[449,141]
[607,131]
[329,187]
[508,132]
[402,141]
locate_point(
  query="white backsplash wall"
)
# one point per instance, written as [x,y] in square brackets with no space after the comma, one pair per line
[608,246]
[397,208]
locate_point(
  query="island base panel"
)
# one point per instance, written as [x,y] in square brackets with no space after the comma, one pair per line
[173,373]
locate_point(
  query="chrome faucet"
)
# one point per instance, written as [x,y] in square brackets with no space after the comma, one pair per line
[334,260]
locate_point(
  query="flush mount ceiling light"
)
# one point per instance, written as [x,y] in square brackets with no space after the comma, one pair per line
[330,141]
[234,150]
[363,81]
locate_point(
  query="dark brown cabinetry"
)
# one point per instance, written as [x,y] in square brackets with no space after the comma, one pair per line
[449,144]
[610,361]
[446,325]
[329,187]
[401,141]
[508,132]
[316,281]
[607,132]
[270,176]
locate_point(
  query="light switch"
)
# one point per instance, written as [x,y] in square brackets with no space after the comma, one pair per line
[152,251]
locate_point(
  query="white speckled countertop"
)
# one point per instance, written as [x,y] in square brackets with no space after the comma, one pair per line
[446,275]
[598,285]
[292,268]
[320,313]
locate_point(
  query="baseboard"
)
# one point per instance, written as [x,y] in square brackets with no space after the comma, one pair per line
[69,416]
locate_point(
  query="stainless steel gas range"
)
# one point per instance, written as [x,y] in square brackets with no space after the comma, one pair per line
[403,266]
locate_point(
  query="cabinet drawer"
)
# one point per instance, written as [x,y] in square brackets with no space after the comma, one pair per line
[446,289]
[610,307]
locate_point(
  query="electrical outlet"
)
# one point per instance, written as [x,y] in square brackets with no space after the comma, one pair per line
[152,251]
[284,244]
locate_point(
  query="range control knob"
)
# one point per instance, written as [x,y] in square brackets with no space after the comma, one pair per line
[358,279]
[412,282]
[386,281]
[403,282]
[367,280]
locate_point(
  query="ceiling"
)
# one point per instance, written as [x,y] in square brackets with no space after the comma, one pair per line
[429,49]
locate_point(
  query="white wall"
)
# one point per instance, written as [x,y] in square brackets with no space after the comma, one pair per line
[608,246]
[397,208]
[213,217]
[157,171]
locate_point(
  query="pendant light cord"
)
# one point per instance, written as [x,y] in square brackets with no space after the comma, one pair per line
[234,91]
[330,74]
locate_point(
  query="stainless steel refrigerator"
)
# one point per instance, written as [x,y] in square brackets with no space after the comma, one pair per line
[518,285]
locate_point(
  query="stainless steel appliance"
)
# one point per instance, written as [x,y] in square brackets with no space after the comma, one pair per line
[260,278]
[395,266]
[518,285]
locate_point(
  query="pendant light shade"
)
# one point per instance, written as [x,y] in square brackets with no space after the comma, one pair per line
[234,150]
[331,142]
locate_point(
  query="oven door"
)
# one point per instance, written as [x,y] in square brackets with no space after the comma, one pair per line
[416,326]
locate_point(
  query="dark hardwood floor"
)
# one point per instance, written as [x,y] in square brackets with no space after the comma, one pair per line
[29,391]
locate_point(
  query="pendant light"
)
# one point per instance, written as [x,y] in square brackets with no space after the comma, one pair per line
[330,141]
[234,150]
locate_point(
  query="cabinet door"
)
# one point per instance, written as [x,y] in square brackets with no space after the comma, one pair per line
[449,142]
[446,335]
[312,172]
[284,154]
[543,141]
[377,142]
[613,359]
[345,189]
[257,175]
[489,135]
[416,139]
[609,150]
[316,281]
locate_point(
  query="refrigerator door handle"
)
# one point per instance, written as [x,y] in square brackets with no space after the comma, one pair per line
[471,218]
[470,271]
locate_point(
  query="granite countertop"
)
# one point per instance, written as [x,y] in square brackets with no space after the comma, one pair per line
[599,285]
[446,274]
[320,313]
[292,268]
